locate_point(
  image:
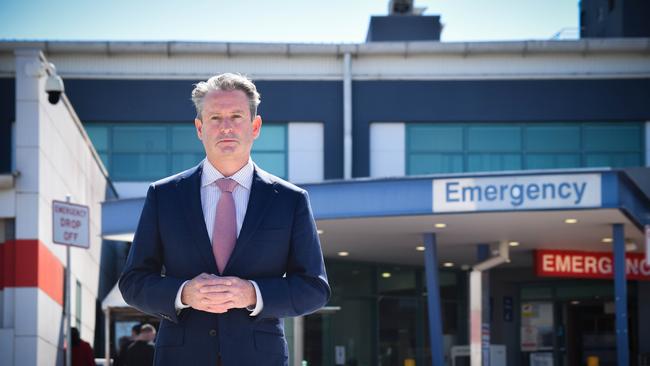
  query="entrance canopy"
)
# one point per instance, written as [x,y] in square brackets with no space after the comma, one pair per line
[382,220]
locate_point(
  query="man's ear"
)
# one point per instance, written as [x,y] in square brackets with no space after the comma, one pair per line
[257,126]
[199,128]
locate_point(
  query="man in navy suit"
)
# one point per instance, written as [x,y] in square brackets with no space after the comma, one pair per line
[224,250]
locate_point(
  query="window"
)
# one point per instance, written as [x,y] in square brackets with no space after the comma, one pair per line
[147,152]
[139,152]
[270,149]
[184,145]
[434,148]
[469,147]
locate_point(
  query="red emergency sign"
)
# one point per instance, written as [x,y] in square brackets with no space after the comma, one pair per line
[577,264]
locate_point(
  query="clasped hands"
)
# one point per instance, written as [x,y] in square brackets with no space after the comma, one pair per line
[214,294]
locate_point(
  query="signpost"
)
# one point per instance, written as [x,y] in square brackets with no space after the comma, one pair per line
[70,227]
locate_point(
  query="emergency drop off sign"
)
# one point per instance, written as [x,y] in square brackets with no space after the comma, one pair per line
[517,193]
[70,224]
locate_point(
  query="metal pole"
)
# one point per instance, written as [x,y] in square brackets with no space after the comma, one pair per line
[482,330]
[298,340]
[347,115]
[620,289]
[107,335]
[433,300]
[68,337]
[475,318]
[479,302]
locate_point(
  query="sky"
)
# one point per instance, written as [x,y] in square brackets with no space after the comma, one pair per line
[284,21]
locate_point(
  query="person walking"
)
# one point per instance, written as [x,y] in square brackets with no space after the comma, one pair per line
[141,351]
[82,352]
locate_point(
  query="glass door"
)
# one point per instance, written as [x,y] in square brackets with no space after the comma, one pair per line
[397,331]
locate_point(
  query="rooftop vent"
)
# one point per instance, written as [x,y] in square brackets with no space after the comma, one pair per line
[404,23]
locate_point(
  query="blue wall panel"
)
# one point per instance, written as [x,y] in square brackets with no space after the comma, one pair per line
[169,101]
[131,100]
[372,198]
[7,115]
[633,201]
[492,101]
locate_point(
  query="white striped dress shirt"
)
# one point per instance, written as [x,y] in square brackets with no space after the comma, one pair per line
[210,194]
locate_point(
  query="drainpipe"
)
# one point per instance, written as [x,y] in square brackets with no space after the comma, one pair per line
[476,303]
[347,115]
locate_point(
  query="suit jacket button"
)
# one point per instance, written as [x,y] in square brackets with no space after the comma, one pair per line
[213,333]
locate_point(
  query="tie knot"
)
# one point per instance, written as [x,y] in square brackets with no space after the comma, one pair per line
[226,184]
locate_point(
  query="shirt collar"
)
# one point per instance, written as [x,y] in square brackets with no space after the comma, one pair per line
[243,177]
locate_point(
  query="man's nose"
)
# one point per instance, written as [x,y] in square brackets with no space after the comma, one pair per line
[226,124]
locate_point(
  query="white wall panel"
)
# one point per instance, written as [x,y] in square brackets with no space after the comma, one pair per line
[27,70]
[499,66]
[27,215]
[88,313]
[49,318]
[7,346]
[26,311]
[511,59]
[49,354]
[387,150]
[26,351]
[8,301]
[7,203]
[370,66]
[28,115]
[197,66]
[27,163]
[27,127]
[306,152]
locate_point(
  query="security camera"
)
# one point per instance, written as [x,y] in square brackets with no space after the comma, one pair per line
[54,88]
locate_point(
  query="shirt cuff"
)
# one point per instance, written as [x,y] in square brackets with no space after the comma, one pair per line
[259,304]
[178,303]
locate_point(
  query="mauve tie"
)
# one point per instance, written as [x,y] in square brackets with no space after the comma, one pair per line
[224,232]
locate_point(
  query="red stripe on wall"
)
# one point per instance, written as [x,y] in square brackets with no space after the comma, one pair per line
[29,263]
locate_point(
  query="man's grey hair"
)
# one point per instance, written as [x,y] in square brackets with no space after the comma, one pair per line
[226,82]
[148,328]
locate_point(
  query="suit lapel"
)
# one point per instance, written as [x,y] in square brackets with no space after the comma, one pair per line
[190,188]
[261,196]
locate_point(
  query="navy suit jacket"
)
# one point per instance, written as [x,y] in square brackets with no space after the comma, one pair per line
[277,247]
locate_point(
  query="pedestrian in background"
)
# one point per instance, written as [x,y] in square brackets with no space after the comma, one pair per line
[124,344]
[82,352]
[141,351]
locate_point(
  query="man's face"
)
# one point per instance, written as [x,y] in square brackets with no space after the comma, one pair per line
[225,127]
[148,336]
